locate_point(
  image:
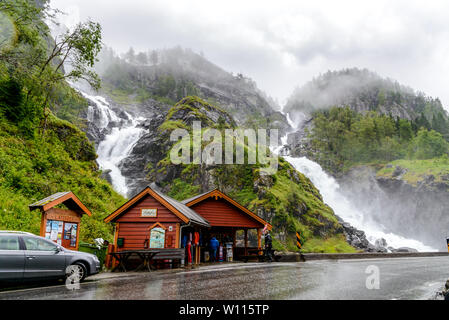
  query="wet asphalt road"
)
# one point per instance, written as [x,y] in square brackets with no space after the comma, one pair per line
[400,278]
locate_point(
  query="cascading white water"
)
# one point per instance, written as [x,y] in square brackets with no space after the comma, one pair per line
[343,207]
[118,143]
[329,189]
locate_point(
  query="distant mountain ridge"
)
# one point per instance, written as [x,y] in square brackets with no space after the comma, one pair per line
[169,75]
[363,90]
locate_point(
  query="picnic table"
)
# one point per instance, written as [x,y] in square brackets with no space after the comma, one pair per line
[146,256]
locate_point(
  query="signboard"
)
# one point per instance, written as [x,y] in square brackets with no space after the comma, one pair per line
[157,238]
[149,213]
[70,232]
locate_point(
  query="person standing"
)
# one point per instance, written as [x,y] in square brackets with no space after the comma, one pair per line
[268,241]
[213,245]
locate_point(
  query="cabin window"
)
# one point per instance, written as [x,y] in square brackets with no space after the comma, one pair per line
[149,213]
[157,238]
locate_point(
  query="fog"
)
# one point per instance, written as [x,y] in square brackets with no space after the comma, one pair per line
[283,44]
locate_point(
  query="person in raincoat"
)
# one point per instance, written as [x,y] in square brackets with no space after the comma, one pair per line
[213,245]
[268,241]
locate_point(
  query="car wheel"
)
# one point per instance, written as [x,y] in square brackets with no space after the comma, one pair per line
[76,272]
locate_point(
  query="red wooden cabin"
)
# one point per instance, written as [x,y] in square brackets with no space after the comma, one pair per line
[152,219]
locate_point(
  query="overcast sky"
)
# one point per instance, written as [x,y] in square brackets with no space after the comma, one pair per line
[283,44]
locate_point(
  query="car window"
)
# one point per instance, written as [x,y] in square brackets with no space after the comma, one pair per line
[9,243]
[38,244]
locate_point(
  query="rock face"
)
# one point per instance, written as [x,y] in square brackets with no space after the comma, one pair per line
[155,144]
[355,237]
[358,240]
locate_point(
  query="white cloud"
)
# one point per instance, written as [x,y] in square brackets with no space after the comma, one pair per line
[282,44]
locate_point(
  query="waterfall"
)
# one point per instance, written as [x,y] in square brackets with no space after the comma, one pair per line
[118,142]
[344,207]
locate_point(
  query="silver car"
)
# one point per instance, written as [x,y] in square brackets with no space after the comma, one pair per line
[25,256]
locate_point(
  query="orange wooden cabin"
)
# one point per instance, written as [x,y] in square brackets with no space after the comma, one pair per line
[62,225]
[152,219]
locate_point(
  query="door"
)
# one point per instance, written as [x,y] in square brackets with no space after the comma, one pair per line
[12,258]
[43,259]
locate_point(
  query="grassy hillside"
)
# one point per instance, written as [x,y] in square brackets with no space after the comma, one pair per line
[41,154]
[418,170]
[32,168]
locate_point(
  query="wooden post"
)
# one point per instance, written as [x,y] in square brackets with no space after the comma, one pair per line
[246,242]
[115,247]
[43,223]
[259,241]
[108,260]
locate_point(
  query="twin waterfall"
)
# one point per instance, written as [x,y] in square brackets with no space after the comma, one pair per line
[122,134]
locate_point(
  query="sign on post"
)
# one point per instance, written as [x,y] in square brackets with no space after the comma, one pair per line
[298,240]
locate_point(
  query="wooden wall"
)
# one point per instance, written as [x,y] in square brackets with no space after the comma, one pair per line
[221,213]
[135,229]
[135,234]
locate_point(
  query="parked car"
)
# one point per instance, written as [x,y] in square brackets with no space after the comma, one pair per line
[25,256]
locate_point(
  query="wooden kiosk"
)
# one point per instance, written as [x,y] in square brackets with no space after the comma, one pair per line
[153,220]
[61,225]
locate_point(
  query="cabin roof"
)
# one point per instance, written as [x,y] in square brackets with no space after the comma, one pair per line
[179,209]
[68,198]
[218,194]
[196,197]
[189,213]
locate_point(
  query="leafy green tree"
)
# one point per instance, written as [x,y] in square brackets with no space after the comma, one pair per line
[405,130]
[428,145]
[38,62]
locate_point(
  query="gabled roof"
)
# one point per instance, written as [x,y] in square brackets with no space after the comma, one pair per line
[177,208]
[69,199]
[218,194]
[195,197]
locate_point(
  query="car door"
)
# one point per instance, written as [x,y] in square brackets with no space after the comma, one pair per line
[42,258]
[12,258]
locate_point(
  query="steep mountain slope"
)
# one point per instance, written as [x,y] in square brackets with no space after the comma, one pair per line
[131,128]
[287,199]
[386,144]
[171,74]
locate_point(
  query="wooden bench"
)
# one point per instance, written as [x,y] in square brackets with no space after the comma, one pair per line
[169,256]
[259,255]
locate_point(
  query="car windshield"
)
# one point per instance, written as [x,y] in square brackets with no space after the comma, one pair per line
[32,243]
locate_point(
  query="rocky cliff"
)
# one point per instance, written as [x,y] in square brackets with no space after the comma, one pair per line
[410,203]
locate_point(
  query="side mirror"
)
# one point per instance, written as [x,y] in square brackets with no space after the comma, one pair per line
[59,249]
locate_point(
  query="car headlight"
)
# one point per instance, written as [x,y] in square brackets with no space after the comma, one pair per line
[95,258]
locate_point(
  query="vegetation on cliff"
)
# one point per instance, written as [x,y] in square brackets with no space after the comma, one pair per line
[342,138]
[362,91]
[287,198]
[41,154]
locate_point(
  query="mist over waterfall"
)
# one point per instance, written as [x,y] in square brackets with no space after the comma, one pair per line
[344,208]
[121,133]
[341,203]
